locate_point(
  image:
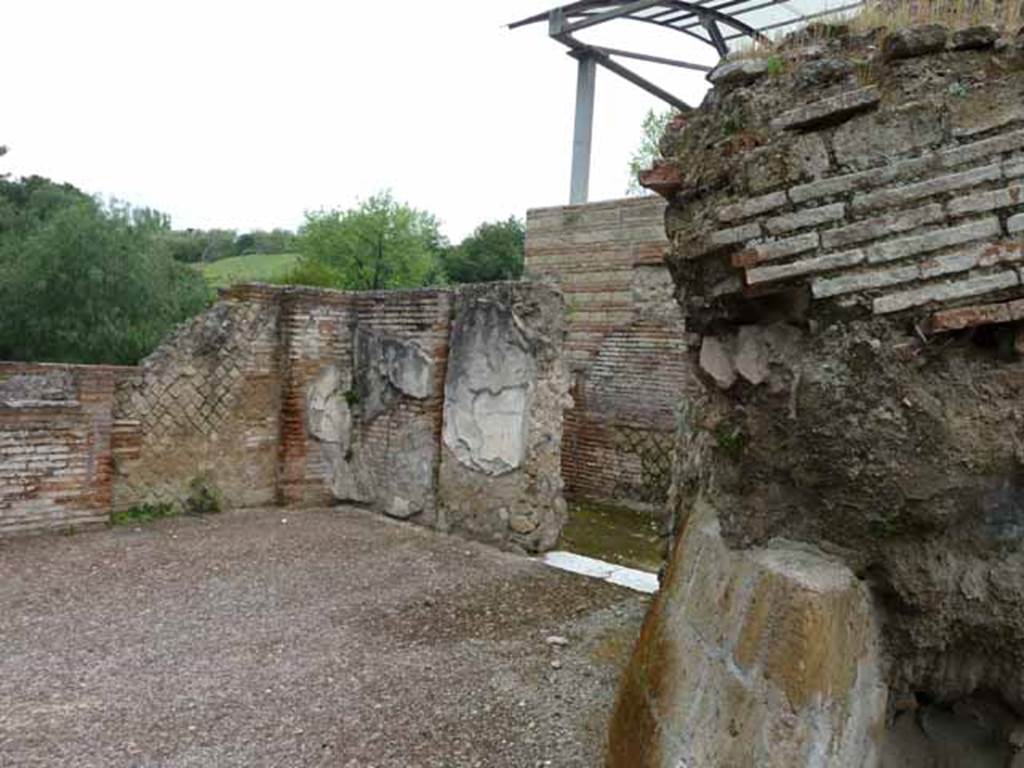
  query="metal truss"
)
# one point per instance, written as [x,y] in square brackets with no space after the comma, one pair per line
[716,23]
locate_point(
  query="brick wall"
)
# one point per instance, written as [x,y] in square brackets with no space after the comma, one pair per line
[56,454]
[307,397]
[625,343]
[864,197]
[205,405]
[321,331]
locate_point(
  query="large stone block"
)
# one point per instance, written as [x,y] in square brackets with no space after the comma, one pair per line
[869,140]
[827,111]
[505,392]
[491,375]
[763,657]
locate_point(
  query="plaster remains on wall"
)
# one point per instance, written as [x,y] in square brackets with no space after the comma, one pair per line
[330,421]
[490,378]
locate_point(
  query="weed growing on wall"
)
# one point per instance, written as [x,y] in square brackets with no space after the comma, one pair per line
[143,513]
[204,498]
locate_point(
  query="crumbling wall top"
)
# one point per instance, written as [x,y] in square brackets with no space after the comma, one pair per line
[874,173]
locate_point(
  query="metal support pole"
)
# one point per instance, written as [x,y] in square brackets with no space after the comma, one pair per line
[583,130]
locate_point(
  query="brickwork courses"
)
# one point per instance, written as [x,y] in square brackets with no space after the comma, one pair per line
[626,343]
[305,398]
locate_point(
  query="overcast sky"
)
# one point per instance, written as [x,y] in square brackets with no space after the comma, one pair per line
[246,114]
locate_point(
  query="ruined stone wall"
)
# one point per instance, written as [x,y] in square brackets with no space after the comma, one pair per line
[56,445]
[443,407]
[625,343]
[506,389]
[363,398]
[205,406]
[845,218]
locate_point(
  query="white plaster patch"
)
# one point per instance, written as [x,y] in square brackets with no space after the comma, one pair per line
[631,578]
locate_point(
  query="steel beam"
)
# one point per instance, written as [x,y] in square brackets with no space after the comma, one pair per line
[583,129]
[617,13]
[716,36]
[653,59]
[640,82]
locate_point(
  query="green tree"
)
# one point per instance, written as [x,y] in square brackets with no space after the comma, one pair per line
[654,126]
[493,252]
[85,283]
[261,241]
[379,244]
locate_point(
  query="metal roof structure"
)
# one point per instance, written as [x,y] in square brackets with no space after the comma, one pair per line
[716,23]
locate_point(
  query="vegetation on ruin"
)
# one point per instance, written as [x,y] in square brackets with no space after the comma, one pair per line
[143,513]
[204,497]
[956,14]
[652,129]
[613,533]
[893,14]
[86,282]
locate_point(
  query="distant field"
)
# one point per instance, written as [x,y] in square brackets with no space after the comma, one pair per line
[255,268]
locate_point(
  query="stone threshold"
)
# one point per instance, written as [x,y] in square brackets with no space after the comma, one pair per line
[631,578]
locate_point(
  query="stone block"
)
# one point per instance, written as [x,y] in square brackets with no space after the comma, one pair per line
[824,288]
[970,317]
[974,38]
[506,388]
[716,362]
[897,196]
[731,74]
[909,42]
[873,229]
[777,249]
[983,202]
[490,374]
[765,657]
[836,185]
[980,150]
[828,111]
[745,209]
[934,241]
[968,121]
[1015,224]
[816,265]
[818,73]
[1013,168]
[752,355]
[734,235]
[1004,252]
[947,291]
[869,140]
[809,217]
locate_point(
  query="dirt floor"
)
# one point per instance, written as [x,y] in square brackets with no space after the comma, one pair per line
[298,638]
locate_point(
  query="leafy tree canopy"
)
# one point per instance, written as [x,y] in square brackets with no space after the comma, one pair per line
[379,244]
[493,252]
[85,282]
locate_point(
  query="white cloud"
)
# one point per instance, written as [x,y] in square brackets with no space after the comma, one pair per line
[245,114]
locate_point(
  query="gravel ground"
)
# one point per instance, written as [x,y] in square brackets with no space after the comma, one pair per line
[298,638]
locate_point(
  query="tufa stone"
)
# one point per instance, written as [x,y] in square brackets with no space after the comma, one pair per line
[909,42]
[716,362]
[973,38]
[821,72]
[736,73]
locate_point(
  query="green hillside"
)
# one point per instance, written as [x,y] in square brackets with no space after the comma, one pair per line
[254,268]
